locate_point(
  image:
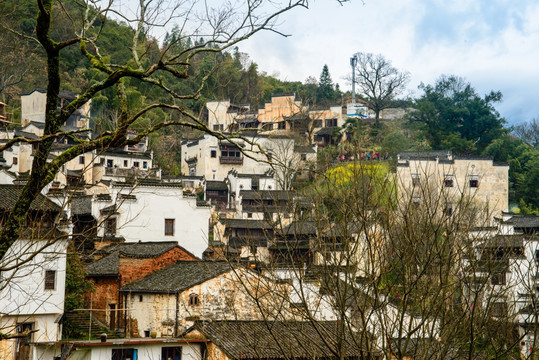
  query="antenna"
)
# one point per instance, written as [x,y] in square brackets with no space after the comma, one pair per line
[353,63]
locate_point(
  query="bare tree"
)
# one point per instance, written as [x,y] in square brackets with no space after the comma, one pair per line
[378,81]
[528,132]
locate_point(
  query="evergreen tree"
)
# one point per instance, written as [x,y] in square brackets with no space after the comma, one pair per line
[326,90]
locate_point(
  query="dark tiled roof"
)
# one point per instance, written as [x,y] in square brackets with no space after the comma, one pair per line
[266,194]
[10,193]
[300,228]
[216,185]
[81,204]
[133,154]
[106,266]
[178,277]
[279,339]
[246,224]
[524,221]
[425,155]
[326,131]
[140,249]
[26,135]
[304,149]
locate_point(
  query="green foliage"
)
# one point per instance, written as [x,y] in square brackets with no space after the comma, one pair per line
[455,117]
[395,142]
[76,283]
[326,91]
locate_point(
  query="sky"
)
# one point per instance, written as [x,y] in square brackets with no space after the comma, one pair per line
[493,44]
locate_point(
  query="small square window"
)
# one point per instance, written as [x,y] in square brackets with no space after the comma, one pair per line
[448,182]
[136,164]
[213,153]
[474,183]
[303,157]
[81,160]
[498,278]
[144,164]
[15,160]
[169,227]
[125,163]
[249,215]
[50,279]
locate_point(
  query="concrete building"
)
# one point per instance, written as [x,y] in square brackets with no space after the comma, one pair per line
[449,178]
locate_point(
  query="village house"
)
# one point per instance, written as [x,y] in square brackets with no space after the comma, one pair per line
[32,277]
[119,264]
[440,174]
[502,273]
[168,301]
[122,349]
[146,210]
[235,340]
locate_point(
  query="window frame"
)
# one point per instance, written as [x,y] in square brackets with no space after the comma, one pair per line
[170,227]
[176,353]
[49,280]
[108,229]
[194,299]
[123,353]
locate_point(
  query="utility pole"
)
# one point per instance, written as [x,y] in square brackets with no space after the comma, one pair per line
[353,63]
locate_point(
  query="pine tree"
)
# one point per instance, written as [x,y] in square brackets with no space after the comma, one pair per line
[326,90]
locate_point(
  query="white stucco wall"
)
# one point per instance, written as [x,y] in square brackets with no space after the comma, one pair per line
[143,218]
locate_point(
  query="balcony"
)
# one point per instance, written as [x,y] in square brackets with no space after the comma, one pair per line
[230,160]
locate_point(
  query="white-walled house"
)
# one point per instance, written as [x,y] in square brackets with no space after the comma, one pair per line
[122,349]
[32,295]
[145,211]
[441,175]
[215,159]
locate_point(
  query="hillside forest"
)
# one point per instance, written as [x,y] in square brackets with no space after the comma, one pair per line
[446,115]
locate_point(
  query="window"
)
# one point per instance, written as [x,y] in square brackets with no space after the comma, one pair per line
[213,153]
[124,354]
[498,278]
[169,227]
[303,157]
[140,298]
[473,181]
[125,163]
[136,164]
[249,215]
[415,180]
[218,127]
[50,279]
[194,300]
[281,125]
[331,122]
[15,160]
[448,210]
[448,181]
[499,309]
[110,163]
[110,226]
[171,353]
[81,160]
[144,164]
